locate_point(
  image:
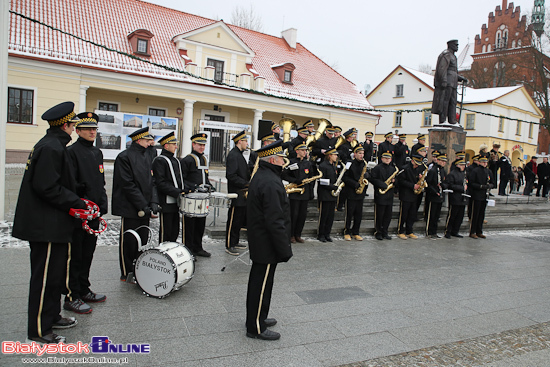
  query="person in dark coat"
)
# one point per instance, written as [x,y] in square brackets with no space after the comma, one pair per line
[435,195]
[505,165]
[265,140]
[327,202]
[469,170]
[401,152]
[321,146]
[370,153]
[530,172]
[479,183]
[387,146]
[134,199]
[354,179]
[421,143]
[303,133]
[238,177]
[383,202]
[268,223]
[543,171]
[494,161]
[408,182]
[168,180]
[345,152]
[88,168]
[457,182]
[47,193]
[299,169]
[195,178]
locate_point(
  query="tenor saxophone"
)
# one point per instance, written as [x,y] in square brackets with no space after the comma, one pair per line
[422,181]
[293,188]
[389,183]
[362,181]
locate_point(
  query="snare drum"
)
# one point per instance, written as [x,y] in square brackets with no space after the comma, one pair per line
[221,200]
[195,204]
[164,269]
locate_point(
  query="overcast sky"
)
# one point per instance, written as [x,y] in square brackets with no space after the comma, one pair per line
[364,40]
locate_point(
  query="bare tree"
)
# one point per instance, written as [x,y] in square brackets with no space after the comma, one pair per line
[246,18]
[426,69]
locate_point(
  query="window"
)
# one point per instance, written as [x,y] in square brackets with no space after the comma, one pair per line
[470,121]
[157,112]
[288,76]
[427,118]
[518,128]
[501,124]
[399,90]
[531,130]
[104,106]
[398,116]
[20,105]
[218,69]
[142,46]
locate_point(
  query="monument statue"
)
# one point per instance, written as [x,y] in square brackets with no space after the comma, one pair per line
[446,82]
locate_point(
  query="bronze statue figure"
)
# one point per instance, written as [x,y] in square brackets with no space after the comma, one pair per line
[446,82]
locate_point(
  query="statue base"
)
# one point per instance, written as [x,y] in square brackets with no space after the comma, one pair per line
[447,138]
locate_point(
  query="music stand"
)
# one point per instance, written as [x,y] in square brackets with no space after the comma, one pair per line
[249,262]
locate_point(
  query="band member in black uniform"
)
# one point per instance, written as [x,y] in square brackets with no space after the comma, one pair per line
[337,132]
[401,152]
[421,138]
[468,170]
[90,184]
[265,140]
[310,126]
[422,152]
[369,147]
[47,193]
[345,152]
[435,195]
[479,183]
[268,223]
[299,169]
[321,146]
[327,201]
[387,146]
[168,180]
[355,180]
[505,165]
[303,133]
[408,182]
[276,131]
[383,202]
[238,177]
[134,199]
[456,181]
[543,171]
[195,178]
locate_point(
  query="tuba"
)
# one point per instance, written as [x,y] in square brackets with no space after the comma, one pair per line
[287,125]
[323,124]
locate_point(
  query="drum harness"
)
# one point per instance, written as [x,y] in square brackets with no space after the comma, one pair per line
[170,199]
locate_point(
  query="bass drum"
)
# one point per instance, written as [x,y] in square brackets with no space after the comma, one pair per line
[164,269]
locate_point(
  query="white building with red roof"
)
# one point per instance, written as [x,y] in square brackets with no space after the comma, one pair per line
[139,59]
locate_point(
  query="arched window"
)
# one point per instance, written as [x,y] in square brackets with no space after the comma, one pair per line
[513,43]
[483,48]
[498,39]
[504,39]
[519,43]
[489,47]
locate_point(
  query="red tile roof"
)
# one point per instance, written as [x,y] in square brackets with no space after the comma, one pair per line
[108,22]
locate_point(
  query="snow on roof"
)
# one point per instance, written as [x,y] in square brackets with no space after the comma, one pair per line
[313,80]
[425,78]
[465,59]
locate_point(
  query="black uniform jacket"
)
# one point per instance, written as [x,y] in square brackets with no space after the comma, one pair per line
[384,147]
[415,148]
[369,150]
[505,167]
[344,152]
[329,172]
[192,174]
[306,169]
[479,183]
[378,177]
[268,216]
[322,143]
[543,171]
[89,172]
[407,180]
[47,192]
[252,160]
[293,144]
[351,179]
[455,181]
[401,154]
[469,171]
[237,174]
[164,181]
[132,182]
[436,185]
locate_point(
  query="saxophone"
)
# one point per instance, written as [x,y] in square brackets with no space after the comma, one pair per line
[339,182]
[389,183]
[422,181]
[293,188]
[362,181]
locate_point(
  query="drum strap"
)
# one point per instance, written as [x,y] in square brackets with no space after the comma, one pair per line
[201,167]
[136,235]
[169,199]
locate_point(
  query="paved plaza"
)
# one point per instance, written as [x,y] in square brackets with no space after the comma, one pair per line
[457,302]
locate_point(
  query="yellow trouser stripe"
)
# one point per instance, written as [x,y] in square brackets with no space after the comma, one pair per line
[70,292]
[230,225]
[261,299]
[44,280]
[122,246]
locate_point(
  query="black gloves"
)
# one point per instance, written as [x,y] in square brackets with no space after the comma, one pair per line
[155,208]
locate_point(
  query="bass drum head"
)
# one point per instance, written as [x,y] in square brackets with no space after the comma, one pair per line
[185,266]
[155,273]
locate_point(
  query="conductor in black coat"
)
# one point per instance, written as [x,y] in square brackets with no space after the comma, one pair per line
[47,193]
[134,198]
[456,181]
[354,180]
[383,203]
[90,183]
[168,180]
[434,194]
[327,202]
[238,177]
[268,223]
[479,182]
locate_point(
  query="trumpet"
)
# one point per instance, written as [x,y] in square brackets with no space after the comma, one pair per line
[293,188]
[389,182]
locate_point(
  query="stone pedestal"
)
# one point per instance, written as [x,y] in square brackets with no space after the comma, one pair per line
[447,139]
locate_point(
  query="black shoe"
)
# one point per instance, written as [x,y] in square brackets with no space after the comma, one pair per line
[203,253]
[77,306]
[266,335]
[231,251]
[447,235]
[270,322]
[94,297]
[379,237]
[322,238]
[47,339]
[65,323]
[387,237]
[328,238]
[457,235]
[491,194]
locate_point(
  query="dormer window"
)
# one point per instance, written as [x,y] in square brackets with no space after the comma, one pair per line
[284,72]
[142,46]
[140,42]
[288,76]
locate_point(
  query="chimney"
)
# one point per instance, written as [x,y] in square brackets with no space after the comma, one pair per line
[290,36]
